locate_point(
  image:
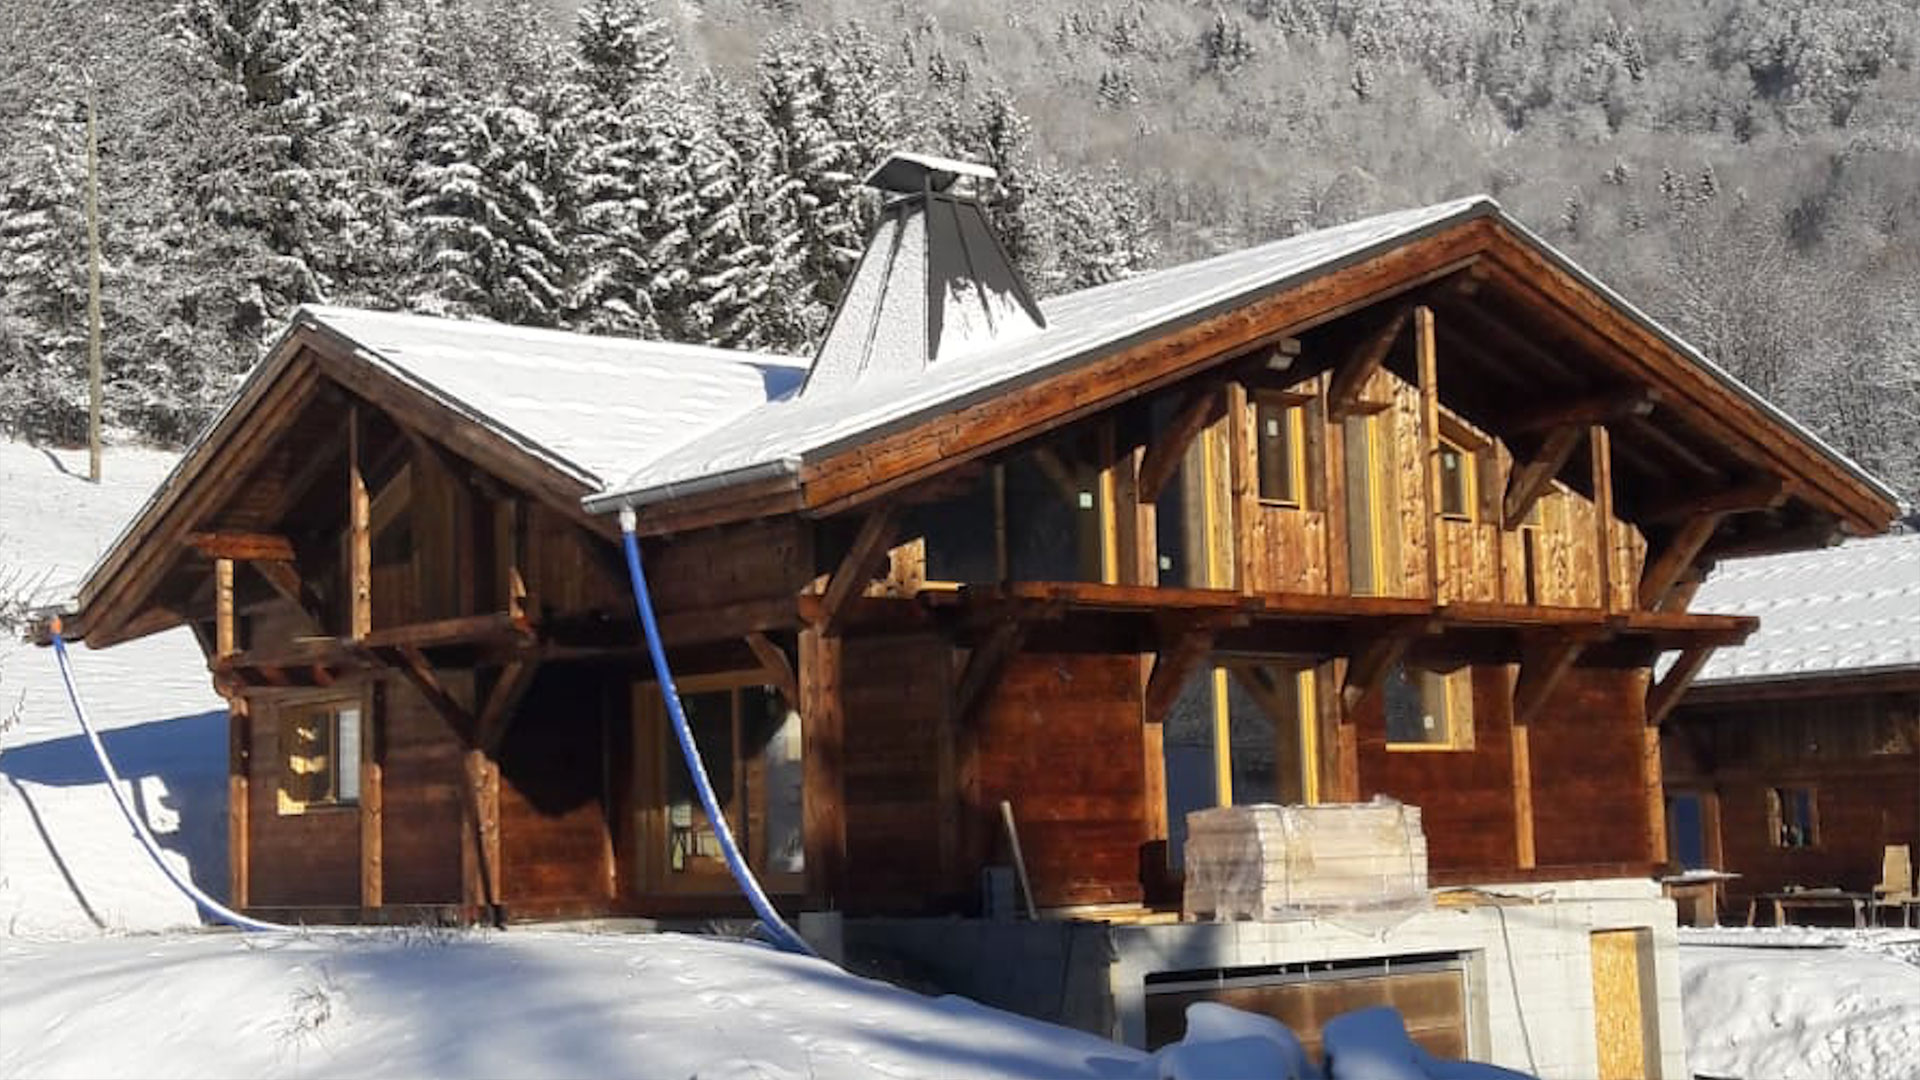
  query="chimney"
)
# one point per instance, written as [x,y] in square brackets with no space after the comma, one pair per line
[934,284]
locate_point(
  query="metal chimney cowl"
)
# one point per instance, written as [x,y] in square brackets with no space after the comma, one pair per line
[934,284]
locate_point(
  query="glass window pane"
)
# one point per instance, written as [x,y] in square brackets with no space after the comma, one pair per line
[690,838]
[348,770]
[1274,443]
[1187,749]
[1454,482]
[959,534]
[1360,506]
[770,732]
[1053,518]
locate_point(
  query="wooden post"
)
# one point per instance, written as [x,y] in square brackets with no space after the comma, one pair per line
[1656,791]
[1602,448]
[94,373]
[239,765]
[1427,365]
[373,731]
[822,730]
[1521,749]
[224,636]
[481,862]
[1240,473]
[359,541]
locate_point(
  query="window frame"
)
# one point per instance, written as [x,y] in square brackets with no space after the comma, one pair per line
[1466,474]
[286,714]
[653,733]
[1453,689]
[1291,408]
[1777,803]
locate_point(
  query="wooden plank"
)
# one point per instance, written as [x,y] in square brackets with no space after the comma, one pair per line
[1243,502]
[372,801]
[982,673]
[239,826]
[777,665]
[1762,493]
[1350,377]
[1619,1014]
[1428,366]
[1605,519]
[359,538]
[859,565]
[1672,686]
[1202,405]
[242,546]
[823,781]
[1673,561]
[1134,522]
[225,643]
[1653,785]
[1521,750]
[1170,671]
[1534,477]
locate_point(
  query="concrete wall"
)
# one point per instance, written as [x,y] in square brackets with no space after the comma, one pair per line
[1528,965]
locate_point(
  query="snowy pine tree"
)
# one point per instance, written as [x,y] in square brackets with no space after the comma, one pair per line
[43,284]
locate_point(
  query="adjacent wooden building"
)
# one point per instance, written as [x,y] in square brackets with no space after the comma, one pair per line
[1792,761]
[1405,507]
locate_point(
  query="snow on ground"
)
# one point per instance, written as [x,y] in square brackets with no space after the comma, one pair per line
[68,863]
[1799,1004]
[523,1003]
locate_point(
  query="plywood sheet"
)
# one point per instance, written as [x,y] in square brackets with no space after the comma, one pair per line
[1619,1010]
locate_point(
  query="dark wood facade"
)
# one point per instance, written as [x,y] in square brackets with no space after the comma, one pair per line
[1799,784]
[1418,527]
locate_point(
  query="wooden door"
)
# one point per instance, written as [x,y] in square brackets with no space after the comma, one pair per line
[1619,1003]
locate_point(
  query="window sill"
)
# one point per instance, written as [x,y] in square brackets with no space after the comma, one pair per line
[1428,748]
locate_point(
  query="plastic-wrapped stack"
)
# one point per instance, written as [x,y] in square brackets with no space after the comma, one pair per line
[1266,862]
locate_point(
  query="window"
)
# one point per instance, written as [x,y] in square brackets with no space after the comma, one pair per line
[1239,733]
[1280,449]
[1429,710]
[1040,515]
[319,755]
[749,741]
[1456,481]
[1793,817]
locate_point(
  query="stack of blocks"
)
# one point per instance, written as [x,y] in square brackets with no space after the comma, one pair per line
[1263,862]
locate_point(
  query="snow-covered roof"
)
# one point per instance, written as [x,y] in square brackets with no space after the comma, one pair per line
[1847,610]
[1078,325]
[775,438]
[592,406]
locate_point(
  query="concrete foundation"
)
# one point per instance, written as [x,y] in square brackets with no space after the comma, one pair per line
[1525,951]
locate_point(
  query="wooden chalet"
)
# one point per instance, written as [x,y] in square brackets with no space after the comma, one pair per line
[1405,507]
[1793,760]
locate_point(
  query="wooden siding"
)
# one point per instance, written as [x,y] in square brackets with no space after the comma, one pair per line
[420,838]
[1060,739]
[555,845]
[310,859]
[902,820]
[1590,797]
[1465,796]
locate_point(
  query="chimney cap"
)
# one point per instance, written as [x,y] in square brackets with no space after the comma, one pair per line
[909,174]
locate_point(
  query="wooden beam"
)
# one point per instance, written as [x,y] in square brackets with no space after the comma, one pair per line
[858,566]
[1545,661]
[1534,477]
[242,546]
[1584,412]
[414,666]
[1605,517]
[1520,750]
[1680,553]
[239,803]
[1761,493]
[1427,370]
[1351,375]
[1171,668]
[284,578]
[823,779]
[1242,490]
[984,664]
[359,538]
[372,802]
[1367,670]
[503,701]
[1667,693]
[1201,407]
[777,666]
[224,631]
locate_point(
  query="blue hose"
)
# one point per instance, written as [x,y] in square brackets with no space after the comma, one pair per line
[776,927]
[220,912]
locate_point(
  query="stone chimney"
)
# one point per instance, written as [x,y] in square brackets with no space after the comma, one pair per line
[934,284]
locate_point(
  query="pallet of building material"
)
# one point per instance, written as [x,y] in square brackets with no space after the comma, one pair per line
[1266,862]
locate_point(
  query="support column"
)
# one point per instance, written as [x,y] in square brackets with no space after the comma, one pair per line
[239,767]
[822,729]
[373,731]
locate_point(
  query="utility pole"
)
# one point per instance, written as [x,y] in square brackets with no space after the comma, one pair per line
[93,292]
